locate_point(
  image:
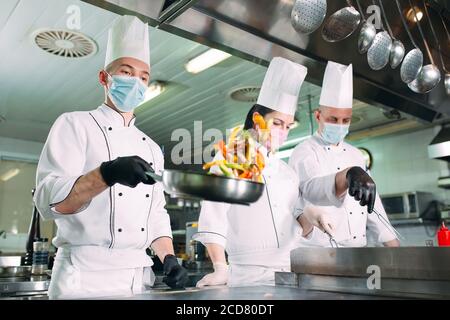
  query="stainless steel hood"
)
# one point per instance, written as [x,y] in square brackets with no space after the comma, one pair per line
[439,148]
[258,30]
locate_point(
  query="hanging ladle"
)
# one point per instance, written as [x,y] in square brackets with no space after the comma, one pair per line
[379,51]
[412,63]
[341,24]
[430,75]
[308,15]
[447,73]
[366,34]
[397,49]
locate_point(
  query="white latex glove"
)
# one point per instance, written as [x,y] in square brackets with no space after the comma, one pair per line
[217,278]
[320,219]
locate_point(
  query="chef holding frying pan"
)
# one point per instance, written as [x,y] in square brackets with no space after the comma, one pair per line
[91,180]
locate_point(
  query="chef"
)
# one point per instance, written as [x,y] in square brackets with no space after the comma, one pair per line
[325,164]
[91,180]
[259,237]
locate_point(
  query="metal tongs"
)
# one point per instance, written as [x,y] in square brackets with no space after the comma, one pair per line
[383,220]
[333,241]
[388,225]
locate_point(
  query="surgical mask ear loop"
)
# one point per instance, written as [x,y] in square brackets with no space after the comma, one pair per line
[109,79]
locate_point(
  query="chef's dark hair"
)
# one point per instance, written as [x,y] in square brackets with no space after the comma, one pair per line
[248,124]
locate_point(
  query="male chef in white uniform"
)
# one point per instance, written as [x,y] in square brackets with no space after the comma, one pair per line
[91,180]
[343,215]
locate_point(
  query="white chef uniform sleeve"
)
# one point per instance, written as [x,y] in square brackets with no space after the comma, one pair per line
[299,206]
[160,221]
[315,187]
[381,229]
[60,165]
[213,223]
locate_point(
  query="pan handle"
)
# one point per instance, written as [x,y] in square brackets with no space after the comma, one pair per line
[155,176]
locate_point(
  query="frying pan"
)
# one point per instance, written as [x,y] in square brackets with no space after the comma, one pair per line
[209,187]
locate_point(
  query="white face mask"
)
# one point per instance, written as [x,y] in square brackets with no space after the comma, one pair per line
[126,92]
[277,138]
[334,133]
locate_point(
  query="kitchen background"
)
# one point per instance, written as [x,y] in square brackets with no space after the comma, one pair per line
[37,86]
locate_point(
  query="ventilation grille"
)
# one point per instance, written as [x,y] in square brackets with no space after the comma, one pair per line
[64,43]
[245,94]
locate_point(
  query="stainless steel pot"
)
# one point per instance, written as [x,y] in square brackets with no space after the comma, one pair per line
[15,271]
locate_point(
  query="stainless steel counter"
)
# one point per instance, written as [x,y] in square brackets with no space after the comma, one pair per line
[243,293]
[24,288]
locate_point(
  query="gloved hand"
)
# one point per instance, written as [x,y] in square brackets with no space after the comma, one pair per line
[217,278]
[175,276]
[129,171]
[361,187]
[319,219]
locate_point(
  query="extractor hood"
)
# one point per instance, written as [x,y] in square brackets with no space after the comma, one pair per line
[258,30]
[439,148]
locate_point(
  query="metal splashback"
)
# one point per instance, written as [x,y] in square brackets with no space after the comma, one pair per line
[420,263]
[258,30]
[439,147]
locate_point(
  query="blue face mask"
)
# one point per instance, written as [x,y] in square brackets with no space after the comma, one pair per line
[126,92]
[334,133]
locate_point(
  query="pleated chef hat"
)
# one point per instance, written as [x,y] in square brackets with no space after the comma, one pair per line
[281,85]
[337,86]
[128,37]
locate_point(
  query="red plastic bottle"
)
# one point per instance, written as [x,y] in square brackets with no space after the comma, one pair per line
[443,236]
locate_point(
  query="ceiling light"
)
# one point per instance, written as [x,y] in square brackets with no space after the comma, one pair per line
[413,18]
[291,144]
[284,154]
[154,89]
[206,60]
[294,125]
[294,141]
[9,174]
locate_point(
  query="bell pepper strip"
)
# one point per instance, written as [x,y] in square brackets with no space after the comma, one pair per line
[208,165]
[242,159]
[235,166]
[227,172]
[222,148]
[259,160]
[233,135]
[259,121]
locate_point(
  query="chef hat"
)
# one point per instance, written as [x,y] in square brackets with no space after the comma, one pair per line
[337,86]
[128,37]
[281,85]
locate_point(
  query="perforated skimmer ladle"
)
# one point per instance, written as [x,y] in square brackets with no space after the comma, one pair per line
[341,24]
[430,75]
[379,52]
[308,15]
[412,63]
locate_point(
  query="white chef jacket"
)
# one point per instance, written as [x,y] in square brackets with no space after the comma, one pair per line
[261,234]
[315,162]
[115,228]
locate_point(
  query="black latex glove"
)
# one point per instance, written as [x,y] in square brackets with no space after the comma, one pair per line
[129,171]
[361,187]
[175,276]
